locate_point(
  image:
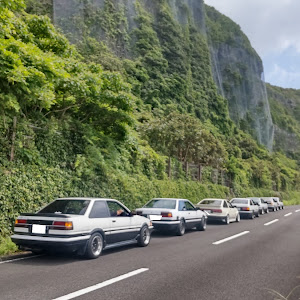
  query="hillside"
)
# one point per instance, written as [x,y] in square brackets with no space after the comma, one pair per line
[130,110]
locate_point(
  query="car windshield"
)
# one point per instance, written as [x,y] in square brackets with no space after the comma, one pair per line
[242,201]
[161,203]
[73,207]
[211,202]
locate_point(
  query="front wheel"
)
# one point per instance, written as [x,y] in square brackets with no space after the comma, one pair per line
[181,228]
[144,237]
[94,246]
[202,225]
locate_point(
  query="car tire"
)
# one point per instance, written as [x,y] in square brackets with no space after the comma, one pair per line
[202,225]
[238,218]
[144,237]
[257,214]
[94,246]
[252,216]
[262,212]
[267,211]
[227,220]
[181,228]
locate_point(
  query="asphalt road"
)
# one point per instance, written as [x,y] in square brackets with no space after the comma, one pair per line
[264,260]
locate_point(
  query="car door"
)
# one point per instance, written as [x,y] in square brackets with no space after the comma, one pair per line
[190,214]
[253,207]
[123,226]
[99,218]
[230,211]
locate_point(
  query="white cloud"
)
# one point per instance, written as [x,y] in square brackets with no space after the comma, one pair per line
[281,77]
[269,24]
[272,27]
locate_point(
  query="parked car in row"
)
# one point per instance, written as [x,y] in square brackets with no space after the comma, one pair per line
[262,205]
[272,205]
[84,225]
[219,209]
[246,207]
[172,214]
[279,203]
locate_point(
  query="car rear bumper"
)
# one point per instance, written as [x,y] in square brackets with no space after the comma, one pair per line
[215,218]
[245,213]
[50,243]
[166,225]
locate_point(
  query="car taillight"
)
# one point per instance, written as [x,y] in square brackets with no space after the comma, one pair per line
[166,215]
[21,223]
[58,225]
[217,210]
[245,208]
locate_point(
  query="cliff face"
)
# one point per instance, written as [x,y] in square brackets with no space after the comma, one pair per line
[238,72]
[285,109]
[236,68]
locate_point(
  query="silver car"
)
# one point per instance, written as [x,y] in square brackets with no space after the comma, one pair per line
[220,210]
[172,214]
[246,207]
[272,205]
[279,203]
[82,225]
[262,205]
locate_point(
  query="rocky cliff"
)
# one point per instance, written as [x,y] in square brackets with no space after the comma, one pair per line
[235,66]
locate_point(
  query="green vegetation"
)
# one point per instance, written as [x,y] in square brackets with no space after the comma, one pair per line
[103,117]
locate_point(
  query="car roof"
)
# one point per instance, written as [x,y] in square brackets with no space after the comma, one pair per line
[85,198]
[214,199]
[170,199]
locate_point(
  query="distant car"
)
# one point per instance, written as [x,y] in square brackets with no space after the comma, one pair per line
[262,205]
[279,203]
[84,225]
[246,207]
[219,209]
[171,214]
[272,205]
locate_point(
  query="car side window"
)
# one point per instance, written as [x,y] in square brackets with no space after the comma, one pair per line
[181,206]
[251,202]
[99,210]
[189,206]
[225,204]
[117,210]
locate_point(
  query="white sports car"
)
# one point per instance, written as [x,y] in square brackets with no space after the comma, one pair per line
[85,225]
[219,209]
[172,214]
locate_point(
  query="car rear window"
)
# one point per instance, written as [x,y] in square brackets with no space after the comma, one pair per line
[211,202]
[72,207]
[161,203]
[242,201]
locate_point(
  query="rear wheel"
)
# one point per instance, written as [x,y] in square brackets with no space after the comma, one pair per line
[144,238]
[227,221]
[267,211]
[262,212]
[238,218]
[252,216]
[94,246]
[202,225]
[181,228]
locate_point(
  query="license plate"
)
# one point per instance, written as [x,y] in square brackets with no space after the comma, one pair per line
[207,211]
[154,217]
[41,229]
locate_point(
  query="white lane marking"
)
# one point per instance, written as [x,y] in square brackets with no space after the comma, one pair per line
[288,214]
[297,210]
[231,238]
[101,285]
[21,258]
[269,223]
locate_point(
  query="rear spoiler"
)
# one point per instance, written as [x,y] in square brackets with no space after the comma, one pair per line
[45,215]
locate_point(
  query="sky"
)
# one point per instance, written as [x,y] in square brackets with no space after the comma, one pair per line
[273,28]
